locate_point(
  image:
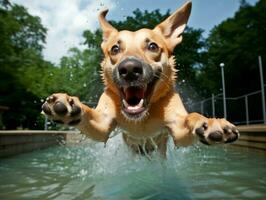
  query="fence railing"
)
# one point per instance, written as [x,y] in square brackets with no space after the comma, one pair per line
[244,109]
[251,104]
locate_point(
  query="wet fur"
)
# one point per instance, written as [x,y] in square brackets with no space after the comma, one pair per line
[166,115]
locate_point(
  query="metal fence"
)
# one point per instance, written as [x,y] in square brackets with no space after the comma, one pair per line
[250,106]
[244,109]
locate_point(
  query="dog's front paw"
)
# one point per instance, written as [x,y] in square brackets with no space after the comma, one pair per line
[215,131]
[63,109]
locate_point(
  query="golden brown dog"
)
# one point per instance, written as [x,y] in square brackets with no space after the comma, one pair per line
[139,97]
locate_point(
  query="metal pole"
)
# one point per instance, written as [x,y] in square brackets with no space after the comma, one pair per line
[224,98]
[262,91]
[45,123]
[247,113]
[213,105]
[201,107]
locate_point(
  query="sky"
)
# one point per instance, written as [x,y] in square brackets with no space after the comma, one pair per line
[67,19]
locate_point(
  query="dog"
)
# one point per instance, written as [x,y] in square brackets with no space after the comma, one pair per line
[139,75]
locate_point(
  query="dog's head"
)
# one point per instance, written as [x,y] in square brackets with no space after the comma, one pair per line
[139,66]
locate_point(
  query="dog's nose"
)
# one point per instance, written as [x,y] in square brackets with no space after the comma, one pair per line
[130,69]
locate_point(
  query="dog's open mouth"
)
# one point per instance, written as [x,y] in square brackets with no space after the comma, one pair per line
[134,99]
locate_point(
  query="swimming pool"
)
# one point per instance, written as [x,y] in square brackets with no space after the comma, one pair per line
[90,171]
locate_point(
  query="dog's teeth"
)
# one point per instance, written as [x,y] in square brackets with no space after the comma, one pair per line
[125,89]
[125,103]
[136,107]
[141,103]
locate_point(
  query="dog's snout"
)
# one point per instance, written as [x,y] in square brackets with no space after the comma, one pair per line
[130,69]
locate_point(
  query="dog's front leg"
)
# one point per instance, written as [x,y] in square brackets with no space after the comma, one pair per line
[181,134]
[208,130]
[95,123]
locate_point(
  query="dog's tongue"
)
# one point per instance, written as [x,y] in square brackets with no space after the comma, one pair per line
[134,109]
[134,92]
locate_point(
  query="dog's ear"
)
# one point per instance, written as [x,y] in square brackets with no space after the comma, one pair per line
[174,25]
[107,28]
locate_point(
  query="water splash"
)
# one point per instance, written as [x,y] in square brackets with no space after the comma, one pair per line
[90,171]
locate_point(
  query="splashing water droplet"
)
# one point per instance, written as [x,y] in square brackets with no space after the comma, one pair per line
[83,172]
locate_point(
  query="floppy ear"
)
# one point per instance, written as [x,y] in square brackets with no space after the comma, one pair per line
[174,25]
[107,28]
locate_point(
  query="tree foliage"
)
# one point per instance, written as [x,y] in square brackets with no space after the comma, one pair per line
[21,40]
[82,70]
[237,42]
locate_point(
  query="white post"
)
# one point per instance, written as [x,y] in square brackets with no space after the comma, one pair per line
[247,113]
[201,107]
[262,91]
[213,105]
[223,83]
[45,123]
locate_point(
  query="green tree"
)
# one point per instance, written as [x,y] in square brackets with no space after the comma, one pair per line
[21,38]
[81,70]
[237,42]
[141,19]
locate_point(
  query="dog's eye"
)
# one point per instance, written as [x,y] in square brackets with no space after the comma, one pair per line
[153,47]
[115,50]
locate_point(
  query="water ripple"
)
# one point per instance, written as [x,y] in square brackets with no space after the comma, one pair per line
[90,171]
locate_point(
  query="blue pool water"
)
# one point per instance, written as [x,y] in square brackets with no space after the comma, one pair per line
[90,171]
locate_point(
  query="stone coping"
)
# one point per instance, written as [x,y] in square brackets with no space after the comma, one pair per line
[35,132]
[253,128]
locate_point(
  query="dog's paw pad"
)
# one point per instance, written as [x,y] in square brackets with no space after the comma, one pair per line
[216,136]
[46,109]
[60,108]
[200,131]
[231,134]
[76,110]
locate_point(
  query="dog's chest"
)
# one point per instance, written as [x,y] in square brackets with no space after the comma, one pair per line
[150,128]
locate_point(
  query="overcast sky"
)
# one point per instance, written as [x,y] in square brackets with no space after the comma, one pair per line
[67,19]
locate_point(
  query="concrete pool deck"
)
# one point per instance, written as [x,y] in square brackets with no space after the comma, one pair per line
[252,136]
[21,141]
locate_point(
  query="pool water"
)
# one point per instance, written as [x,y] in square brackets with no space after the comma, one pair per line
[90,171]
